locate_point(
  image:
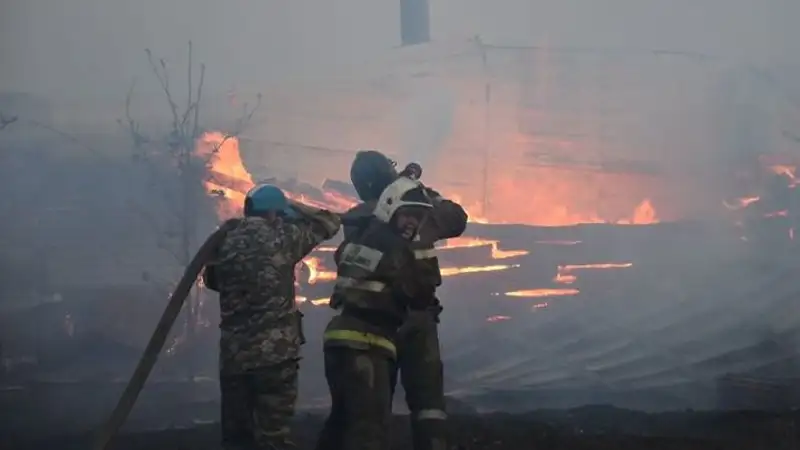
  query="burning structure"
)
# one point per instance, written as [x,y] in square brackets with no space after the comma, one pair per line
[624,247]
[615,213]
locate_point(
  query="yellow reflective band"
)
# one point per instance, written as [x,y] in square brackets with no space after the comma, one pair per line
[364,285]
[424,253]
[359,336]
[430,414]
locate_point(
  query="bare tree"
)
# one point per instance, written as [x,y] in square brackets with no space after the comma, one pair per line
[177,146]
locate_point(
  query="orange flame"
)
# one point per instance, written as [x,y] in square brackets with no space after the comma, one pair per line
[229,181]
[316,270]
[644,214]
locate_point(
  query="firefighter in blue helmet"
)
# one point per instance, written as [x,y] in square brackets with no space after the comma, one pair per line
[377,285]
[260,326]
[268,199]
[418,358]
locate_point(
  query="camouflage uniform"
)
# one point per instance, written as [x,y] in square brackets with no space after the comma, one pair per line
[376,284]
[260,327]
[418,357]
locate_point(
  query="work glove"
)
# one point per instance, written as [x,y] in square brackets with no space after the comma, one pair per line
[413,171]
[433,194]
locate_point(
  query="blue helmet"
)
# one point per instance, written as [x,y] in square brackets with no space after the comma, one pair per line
[266,198]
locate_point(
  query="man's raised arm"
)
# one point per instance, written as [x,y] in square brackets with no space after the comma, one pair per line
[314,226]
[450,218]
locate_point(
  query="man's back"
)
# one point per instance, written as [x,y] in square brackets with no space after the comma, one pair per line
[255,269]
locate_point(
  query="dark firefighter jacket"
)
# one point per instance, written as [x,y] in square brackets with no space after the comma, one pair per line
[447,220]
[377,282]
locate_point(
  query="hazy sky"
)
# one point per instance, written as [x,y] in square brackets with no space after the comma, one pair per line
[81,47]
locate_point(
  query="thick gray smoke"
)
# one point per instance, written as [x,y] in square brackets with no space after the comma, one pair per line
[86,227]
[425,122]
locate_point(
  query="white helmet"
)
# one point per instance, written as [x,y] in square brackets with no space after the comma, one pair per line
[402,192]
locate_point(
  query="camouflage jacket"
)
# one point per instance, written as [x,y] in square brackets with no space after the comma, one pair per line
[254,268]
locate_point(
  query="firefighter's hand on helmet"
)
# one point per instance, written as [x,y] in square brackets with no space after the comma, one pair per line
[433,194]
[412,170]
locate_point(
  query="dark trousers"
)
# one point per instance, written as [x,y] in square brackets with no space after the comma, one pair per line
[421,373]
[360,382]
[258,406]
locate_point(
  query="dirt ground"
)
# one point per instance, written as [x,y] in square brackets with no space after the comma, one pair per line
[584,428]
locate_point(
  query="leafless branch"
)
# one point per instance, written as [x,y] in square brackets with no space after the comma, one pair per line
[196,127]
[179,144]
[162,75]
[242,122]
[189,84]
[133,127]
[6,121]
[239,125]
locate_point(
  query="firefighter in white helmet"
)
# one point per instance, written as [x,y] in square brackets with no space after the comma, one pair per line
[377,285]
[418,358]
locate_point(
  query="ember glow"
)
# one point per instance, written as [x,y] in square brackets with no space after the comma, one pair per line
[498,318]
[740,203]
[462,242]
[538,293]
[565,275]
[450,271]
[574,267]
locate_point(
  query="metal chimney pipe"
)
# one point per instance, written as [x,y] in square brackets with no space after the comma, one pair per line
[415,25]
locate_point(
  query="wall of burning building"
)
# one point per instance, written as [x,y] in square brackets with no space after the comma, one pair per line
[574,136]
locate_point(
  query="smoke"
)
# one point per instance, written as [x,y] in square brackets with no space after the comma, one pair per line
[426,122]
[90,220]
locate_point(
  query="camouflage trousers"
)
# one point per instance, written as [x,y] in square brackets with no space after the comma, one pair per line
[360,382]
[258,406]
[421,374]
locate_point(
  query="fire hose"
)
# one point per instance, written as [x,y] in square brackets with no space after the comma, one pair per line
[159,337]
[148,360]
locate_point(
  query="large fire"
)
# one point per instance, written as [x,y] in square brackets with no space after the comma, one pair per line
[229,180]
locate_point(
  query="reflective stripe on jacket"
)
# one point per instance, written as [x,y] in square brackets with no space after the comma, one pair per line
[358,340]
